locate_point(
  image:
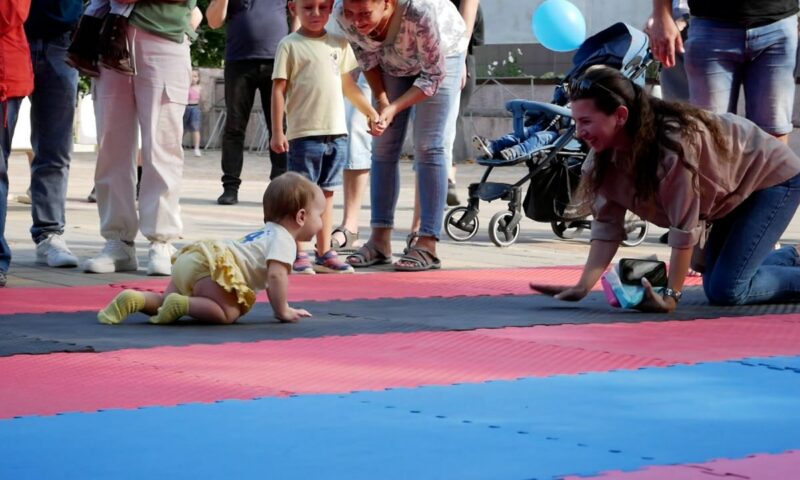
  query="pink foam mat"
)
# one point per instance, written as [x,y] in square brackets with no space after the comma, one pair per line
[782,466]
[31,385]
[41,385]
[673,341]
[442,283]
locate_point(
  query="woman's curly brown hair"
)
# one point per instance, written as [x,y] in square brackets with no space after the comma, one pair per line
[650,121]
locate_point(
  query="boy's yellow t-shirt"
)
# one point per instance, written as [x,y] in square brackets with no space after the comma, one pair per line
[313,69]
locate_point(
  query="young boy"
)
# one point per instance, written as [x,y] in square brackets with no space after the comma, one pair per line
[311,72]
[216,281]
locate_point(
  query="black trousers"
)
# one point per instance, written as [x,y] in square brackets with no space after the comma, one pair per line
[242,79]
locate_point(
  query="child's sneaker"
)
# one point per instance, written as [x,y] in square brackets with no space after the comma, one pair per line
[330,263]
[302,265]
[115,51]
[482,145]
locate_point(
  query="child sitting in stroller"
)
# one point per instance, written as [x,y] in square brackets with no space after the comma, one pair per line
[537,132]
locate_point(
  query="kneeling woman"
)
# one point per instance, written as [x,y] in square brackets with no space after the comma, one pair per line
[683,168]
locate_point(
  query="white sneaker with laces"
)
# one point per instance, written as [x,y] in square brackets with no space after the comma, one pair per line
[197,152]
[159,259]
[54,252]
[117,256]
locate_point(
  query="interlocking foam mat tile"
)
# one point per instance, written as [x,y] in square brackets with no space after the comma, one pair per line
[12,343]
[362,316]
[782,466]
[55,383]
[530,428]
[440,283]
[790,364]
[675,341]
[677,414]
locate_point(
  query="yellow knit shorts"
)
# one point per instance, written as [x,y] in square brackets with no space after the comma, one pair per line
[211,259]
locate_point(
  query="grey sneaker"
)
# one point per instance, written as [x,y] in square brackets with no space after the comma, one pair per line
[54,252]
[117,256]
[159,259]
[2,279]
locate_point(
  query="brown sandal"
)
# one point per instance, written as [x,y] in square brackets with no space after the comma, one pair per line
[367,256]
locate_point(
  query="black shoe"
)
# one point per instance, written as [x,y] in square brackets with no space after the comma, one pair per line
[228,197]
[92,198]
[664,238]
[452,196]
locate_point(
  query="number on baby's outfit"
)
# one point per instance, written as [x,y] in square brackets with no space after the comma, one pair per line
[250,237]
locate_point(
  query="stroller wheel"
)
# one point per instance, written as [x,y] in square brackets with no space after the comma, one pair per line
[461,223]
[566,230]
[636,230]
[499,233]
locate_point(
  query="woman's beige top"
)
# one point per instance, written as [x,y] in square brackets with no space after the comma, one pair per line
[756,161]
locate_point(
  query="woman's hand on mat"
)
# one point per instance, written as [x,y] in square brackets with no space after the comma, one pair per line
[561,292]
[292,315]
[279,143]
[654,302]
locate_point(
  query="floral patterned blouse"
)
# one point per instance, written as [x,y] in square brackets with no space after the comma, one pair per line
[421,35]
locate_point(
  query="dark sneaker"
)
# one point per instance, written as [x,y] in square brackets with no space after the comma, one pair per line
[92,197]
[3,279]
[228,197]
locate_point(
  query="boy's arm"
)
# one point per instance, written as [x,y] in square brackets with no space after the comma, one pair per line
[216,13]
[278,143]
[278,282]
[357,97]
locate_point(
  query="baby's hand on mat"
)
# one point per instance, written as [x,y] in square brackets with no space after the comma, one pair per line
[292,315]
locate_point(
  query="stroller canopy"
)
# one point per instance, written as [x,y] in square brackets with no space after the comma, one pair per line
[619,46]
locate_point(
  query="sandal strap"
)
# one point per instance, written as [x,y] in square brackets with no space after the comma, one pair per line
[349,238]
[425,256]
[366,253]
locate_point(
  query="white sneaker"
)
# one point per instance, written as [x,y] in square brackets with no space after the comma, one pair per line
[54,252]
[197,152]
[159,259]
[117,256]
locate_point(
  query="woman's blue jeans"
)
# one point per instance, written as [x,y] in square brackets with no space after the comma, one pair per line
[742,265]
[431,118]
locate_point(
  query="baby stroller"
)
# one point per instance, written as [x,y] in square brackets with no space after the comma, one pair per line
[554,168]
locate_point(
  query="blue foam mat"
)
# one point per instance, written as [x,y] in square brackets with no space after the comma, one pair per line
[779,363]
[530,428]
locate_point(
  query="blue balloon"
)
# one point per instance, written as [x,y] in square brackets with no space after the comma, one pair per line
[559,25]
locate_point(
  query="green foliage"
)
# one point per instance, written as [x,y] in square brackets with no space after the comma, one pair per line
[209,48]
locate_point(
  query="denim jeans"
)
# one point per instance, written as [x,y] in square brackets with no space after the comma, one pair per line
[432,119]
[320,158]
[742,266]
[533,140]
[722,57]
[53,100]
[6,133]
[242,79]
[359,141]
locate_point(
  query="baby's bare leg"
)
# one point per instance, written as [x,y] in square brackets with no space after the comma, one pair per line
[211,303]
